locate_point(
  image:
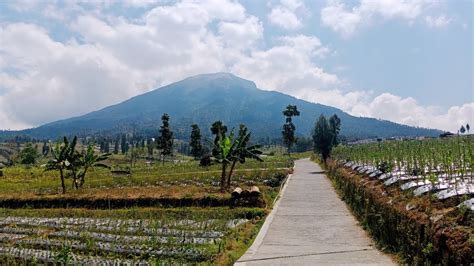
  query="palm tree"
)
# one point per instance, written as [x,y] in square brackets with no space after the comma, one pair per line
[241,152]
[63,154]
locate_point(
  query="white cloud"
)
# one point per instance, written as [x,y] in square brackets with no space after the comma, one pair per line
[241,35]
[286,67]
[408,111]
[437,22]
[284,18]
[339,20]
[346,21]
[112,58]
[286,14]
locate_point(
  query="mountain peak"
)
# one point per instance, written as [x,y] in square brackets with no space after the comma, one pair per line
[220,79]
[206,98]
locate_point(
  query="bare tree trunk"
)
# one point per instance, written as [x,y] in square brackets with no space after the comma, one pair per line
[230,173]
[223,176]
[62,180]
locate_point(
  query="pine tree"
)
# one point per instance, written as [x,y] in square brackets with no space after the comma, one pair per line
[165,140]
[195,142]
[289,128]
[123,144]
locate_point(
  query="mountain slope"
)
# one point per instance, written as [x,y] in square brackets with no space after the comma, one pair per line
[206,98]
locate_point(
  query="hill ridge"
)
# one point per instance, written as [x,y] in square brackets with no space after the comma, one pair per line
[205,98]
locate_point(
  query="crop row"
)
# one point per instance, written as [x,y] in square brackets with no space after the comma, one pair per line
[42,239]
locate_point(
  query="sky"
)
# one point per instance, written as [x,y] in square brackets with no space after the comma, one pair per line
[407,61]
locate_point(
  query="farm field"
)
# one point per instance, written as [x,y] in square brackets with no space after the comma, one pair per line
[133,236]
[444,167]
[172,213]
[424,187]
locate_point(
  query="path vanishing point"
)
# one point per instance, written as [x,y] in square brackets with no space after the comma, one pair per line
[310,225]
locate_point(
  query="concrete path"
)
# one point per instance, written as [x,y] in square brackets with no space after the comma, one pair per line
[310,225]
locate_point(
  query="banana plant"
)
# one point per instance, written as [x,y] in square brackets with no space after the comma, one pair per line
[89,160]
[222,154]
[63,154]
[228,150]
[241,151]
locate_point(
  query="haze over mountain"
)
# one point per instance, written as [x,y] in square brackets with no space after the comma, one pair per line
[206,98]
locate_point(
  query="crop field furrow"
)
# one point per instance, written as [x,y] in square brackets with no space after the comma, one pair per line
[443,167]
[188,253]
[47,256]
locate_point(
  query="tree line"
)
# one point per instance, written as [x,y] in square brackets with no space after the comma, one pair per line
[228,148]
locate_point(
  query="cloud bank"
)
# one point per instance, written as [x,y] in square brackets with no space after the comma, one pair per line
[107,57]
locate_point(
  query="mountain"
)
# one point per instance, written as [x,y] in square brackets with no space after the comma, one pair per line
[206,98]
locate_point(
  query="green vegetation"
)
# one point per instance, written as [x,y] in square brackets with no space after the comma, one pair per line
[165,140]
[325,135]
[289,128]
[195,142]
[228,150]
[453,157]
[155,228]
[28,155]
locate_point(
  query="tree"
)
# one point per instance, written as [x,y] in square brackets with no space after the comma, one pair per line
[116,145]
[289,128]
[87,160]
[45,149]
[134,154]
[335,127]
[28,154]
[241,151]
[229,150]
[165,140]
[468,128]
[62,154]
[462,129]
[218,129]
[123,144]
[222,153]
[195,142]
[323,138]
[149,146]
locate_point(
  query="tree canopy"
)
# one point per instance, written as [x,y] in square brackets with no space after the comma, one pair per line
[288,132]
[325,135]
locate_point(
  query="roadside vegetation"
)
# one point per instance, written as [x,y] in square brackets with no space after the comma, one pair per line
[425,187]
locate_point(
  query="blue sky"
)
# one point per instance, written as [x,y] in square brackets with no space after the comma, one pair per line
[406,61]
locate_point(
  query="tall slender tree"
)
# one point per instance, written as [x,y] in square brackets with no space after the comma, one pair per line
[195,142]
[335,127]
[165,140]
[289,128]
[45,149]
[123,144]
[468,128]
[116,145]
[323,137]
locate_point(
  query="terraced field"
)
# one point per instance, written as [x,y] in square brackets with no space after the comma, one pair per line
[182,236]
